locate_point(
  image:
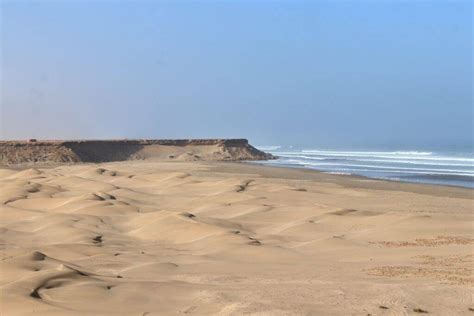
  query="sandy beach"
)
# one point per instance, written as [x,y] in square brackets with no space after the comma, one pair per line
[159,238]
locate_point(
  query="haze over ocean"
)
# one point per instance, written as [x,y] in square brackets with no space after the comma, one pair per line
[322,74]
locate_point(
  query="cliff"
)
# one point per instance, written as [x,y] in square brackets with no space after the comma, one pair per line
[21,152]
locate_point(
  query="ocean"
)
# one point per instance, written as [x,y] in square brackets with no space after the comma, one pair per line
[443,168]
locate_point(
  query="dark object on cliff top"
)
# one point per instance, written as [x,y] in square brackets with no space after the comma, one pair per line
[419,310]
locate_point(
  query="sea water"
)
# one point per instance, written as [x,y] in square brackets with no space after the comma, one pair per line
[445,168]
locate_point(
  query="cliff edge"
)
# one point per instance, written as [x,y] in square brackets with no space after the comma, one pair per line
[54,151]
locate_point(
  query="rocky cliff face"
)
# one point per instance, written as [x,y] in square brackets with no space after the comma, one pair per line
[20,152]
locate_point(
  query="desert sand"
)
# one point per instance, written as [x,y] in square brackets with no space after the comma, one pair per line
[165,238]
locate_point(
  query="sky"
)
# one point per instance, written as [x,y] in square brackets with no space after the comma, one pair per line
[332,74]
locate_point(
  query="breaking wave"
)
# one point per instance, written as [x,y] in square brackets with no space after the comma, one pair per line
[414,166]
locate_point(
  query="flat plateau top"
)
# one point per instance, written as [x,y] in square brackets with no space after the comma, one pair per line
[129,141]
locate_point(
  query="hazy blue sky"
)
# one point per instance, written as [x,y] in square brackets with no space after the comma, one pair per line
[323,73]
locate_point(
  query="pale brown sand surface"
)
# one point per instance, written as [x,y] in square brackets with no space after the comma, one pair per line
[164,238]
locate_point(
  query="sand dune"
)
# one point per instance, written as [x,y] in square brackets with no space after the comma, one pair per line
[159,238]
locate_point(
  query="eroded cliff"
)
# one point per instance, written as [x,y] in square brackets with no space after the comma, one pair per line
[21,152]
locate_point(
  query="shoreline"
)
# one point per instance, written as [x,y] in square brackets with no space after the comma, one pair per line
[354,181]
[360,176]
